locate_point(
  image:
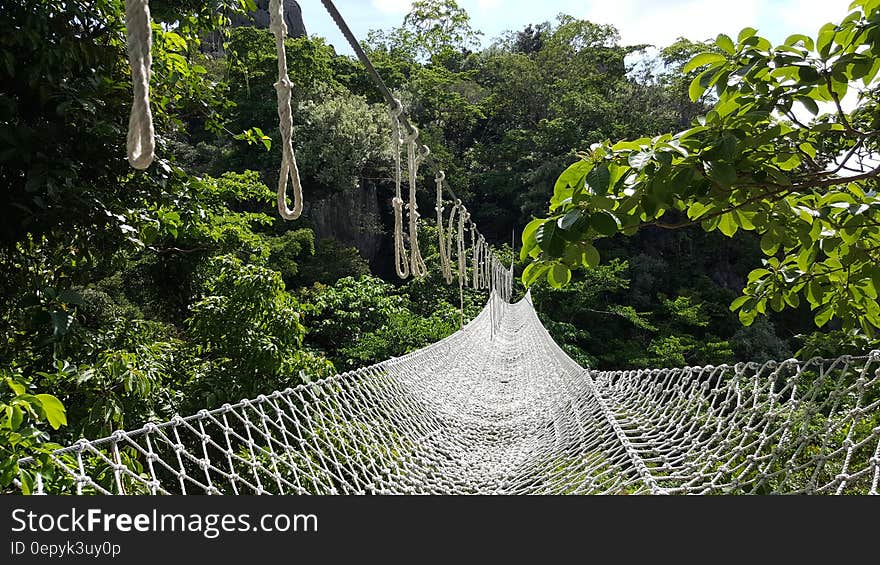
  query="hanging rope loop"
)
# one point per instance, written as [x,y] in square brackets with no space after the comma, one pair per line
[463,217]
[444,235]
[141,140]
[401,261]
[283,89]
[417,265]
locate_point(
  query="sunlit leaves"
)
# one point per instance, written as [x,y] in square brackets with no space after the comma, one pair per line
[703,59]
[766,159]
[255,135]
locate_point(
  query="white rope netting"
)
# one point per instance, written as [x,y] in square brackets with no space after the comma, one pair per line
[498,407]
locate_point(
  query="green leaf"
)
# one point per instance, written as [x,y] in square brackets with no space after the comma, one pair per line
[746,317]
[823,315]
[869,77]
[604,223]
[528,237]
[703,59]
[697,210]
[549,240]
[559,276]
[809,149]
[823,43]
[727,225]
[746,33]
[738,302]
[808,75]
[591,256]
[70,297]
[572,176]
[698,86]
[800,38]
[53,409]
[806,258]
[809,104]
[533,272]
[639,160]
[598,179]
[15,417]
[570,219]
[725,173]
[17,388]
[815,292]
[725,43]
[769,243]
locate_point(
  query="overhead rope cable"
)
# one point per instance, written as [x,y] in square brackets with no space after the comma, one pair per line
[380,84]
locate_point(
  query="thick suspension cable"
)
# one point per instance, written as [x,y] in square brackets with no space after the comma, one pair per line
[383,89]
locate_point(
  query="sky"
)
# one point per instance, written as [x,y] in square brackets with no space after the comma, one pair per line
[657,22]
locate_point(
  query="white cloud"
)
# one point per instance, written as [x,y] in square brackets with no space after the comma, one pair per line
[662,22]
[392,6]
[807,16]
[659,22]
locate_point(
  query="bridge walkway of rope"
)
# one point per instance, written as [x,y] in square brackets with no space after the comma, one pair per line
[499,408]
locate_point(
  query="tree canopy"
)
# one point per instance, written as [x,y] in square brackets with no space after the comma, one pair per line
[778,154]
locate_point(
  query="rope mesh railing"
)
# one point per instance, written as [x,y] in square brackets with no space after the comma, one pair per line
[499,408]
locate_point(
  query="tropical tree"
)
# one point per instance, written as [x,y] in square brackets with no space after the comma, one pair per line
[430,28]
[789,151]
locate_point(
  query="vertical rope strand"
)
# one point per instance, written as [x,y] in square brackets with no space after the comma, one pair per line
[283,88]
[401,261]
[444,236]
[141,140]
[415,156]
[463,217]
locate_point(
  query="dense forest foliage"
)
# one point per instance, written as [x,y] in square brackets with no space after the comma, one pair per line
[130,296]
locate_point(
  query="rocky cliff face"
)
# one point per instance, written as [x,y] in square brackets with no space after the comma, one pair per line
[212,44]
[259,18]
[352,217]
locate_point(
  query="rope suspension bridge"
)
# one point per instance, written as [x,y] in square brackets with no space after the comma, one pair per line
[499,408]
[495,408]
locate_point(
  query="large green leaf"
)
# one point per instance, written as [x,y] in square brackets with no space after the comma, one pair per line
[549,240]
[701,60]
[559,276]
[604,222]
[54,410]
[529,240]
[533,272]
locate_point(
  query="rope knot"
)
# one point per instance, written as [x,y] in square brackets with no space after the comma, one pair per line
[412,135]
[283,84]
[396,109]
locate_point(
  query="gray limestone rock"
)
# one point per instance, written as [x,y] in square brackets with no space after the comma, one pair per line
[260,17]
